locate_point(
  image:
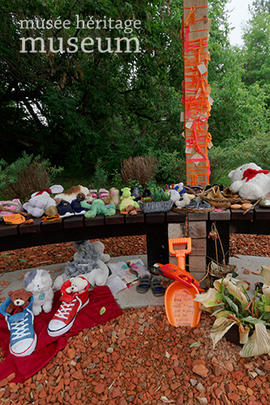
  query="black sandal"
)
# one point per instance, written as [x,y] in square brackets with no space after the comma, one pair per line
[144,284]
[157,288]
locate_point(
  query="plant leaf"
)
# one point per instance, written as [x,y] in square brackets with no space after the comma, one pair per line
[220,327]
[258,343]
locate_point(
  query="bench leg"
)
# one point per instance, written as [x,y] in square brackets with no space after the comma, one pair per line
[157,244]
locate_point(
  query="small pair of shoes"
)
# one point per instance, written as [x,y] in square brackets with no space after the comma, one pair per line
[66,209]
[146,282]
[23,338]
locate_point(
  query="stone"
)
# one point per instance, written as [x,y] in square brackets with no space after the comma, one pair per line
[193,382]
[200,370]
[202,401]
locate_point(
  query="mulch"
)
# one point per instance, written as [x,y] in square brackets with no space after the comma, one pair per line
[139,358]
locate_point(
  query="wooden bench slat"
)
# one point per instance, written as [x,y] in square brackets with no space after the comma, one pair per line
[238,215]
[115,219]
[7,230]
[30,228]
[155,218]
[198,216]
[175,217]
[99,220]
[262,214]
[131,219]
[73,222]
[220,216]
[51,226]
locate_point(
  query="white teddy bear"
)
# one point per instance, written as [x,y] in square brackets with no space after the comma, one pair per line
[250,181]
[41,200]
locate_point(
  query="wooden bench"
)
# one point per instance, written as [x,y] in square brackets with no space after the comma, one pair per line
[157,228]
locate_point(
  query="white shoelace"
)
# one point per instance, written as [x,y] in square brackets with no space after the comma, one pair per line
[20,329]
[64,310]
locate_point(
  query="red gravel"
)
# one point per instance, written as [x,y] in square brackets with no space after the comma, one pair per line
[139,358]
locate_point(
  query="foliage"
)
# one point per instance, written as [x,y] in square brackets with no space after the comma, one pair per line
[100,177]
[26,175]
[230,303]
[223,159]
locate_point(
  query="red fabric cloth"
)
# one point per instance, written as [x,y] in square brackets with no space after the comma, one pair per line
[47,346]
[250,173]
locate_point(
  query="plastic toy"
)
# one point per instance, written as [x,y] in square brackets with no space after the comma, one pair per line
[181,309]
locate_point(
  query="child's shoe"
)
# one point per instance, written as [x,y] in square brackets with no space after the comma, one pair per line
[23,339]
[72,303]
[64,209]
[76,206]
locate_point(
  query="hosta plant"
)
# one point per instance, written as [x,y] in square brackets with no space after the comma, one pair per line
[230,303]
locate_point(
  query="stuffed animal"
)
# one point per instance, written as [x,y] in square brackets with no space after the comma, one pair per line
[250,181]
[72,193]
[20,299]
[184,200]
[89,261]
[77,284]
[98,207]
[41,201]
[11,207]
[113,197]
[39,283]
[126,200]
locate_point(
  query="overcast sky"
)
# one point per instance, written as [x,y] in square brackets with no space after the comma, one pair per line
[238,16]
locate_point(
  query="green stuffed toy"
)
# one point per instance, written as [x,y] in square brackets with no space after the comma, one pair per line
[98,207]
[127,200]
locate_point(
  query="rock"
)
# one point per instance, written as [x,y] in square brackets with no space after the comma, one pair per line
[202,401]
[266,365]
[109,350]
[99,388]
[259,372]
[200,369]
[200,387]
[193,382]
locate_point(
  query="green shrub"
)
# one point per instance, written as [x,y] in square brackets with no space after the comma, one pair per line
[25,176]
[224,159]
[170,166]
[100,176]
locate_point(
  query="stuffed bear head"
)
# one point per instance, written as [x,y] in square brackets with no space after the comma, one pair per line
[237,174]
[19,300]
[37,281]
[77,284]
[19,297]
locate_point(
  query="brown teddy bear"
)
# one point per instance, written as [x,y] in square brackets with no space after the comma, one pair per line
[20,300]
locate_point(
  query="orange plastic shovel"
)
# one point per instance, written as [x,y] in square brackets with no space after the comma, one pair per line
[181,309]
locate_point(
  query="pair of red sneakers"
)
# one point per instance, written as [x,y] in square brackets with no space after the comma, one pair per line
[74,297]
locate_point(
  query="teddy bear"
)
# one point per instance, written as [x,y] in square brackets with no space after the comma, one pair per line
[250,181]
[39,283]
[40,201]
[77,284]
[89,261]
[20,299]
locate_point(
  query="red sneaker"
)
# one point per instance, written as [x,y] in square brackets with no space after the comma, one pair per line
[72,303]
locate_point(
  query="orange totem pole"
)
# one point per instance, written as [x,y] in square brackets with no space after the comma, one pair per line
[196,90]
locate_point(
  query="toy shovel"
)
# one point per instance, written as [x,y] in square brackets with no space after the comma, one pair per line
[181,309]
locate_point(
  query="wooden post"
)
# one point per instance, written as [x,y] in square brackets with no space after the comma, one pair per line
[196,91]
